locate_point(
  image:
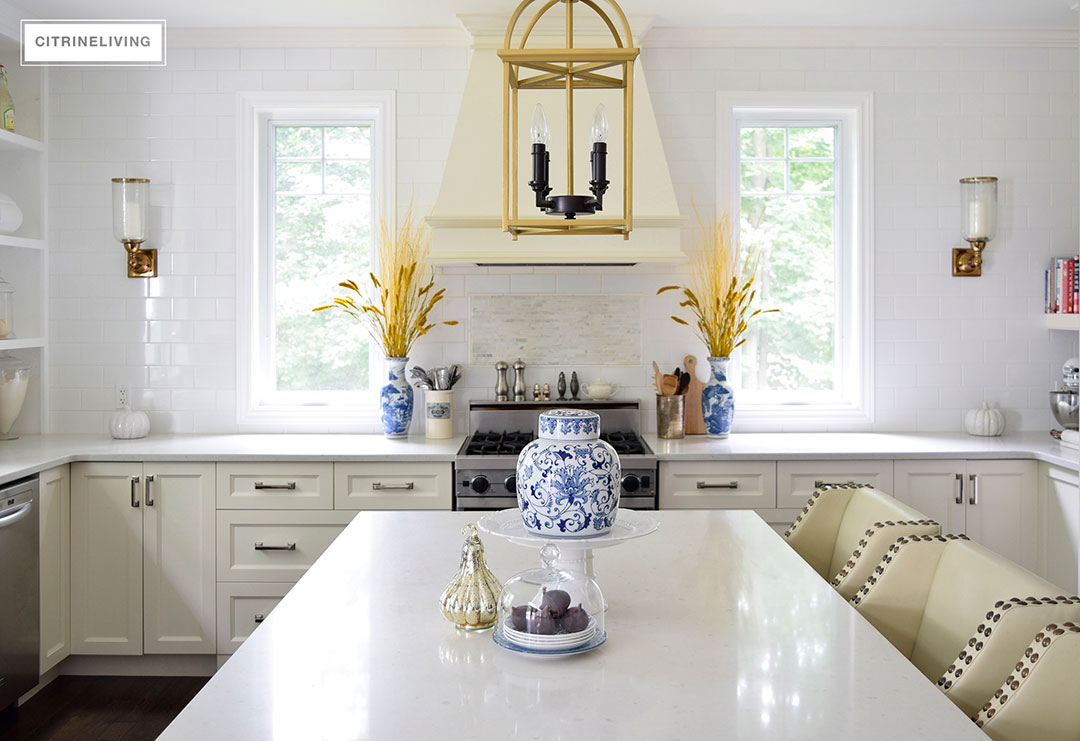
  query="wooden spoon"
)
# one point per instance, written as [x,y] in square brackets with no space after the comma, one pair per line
[684,384]
[670,384]
[658,378]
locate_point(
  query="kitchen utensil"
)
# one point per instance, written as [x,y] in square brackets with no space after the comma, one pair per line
[502,387]
[669,384]
[695,418]
[442,379]
[1066,411]
[684,384]
[1070,375]
[658,377]
[519,380]
[455,375]
[422,376]
[575,387]
[671,416]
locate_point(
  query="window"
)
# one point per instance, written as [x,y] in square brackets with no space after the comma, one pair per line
[316,176]
[795,168]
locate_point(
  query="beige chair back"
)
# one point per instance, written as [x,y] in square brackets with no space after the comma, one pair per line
[865,507]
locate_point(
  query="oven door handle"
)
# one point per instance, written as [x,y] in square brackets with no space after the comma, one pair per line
[18,514]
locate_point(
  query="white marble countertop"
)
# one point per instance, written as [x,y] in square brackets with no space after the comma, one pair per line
[716,630]
[32,453]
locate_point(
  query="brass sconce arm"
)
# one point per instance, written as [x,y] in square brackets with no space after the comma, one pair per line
[142,263]
[968,262]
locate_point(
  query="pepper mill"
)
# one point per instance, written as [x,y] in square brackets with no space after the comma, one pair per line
[562,386]
[519,380]
[502,388]
[574,386]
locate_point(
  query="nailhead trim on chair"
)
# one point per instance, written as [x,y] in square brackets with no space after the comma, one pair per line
[993,616]
[813,498]
[894,549]
[1023,668]
[864,541]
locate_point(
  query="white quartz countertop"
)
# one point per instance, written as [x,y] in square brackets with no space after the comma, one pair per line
[716,629]
[32,453]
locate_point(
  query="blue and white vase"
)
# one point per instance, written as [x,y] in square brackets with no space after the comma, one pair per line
[396,399]
[718,400]
[568,479]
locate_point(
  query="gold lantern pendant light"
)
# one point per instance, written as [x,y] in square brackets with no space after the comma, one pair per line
[570,68]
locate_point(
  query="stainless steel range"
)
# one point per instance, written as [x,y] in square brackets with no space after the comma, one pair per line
[485,466]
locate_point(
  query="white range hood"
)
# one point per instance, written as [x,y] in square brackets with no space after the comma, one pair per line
[466,219]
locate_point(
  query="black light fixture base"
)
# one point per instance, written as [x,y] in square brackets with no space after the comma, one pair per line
[570,206]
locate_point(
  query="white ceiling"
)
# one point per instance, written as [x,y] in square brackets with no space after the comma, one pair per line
[428,13]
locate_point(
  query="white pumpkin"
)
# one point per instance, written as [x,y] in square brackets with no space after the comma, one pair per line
[984,422]
[127,424]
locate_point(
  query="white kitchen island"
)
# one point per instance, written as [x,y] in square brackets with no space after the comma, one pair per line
[716,629]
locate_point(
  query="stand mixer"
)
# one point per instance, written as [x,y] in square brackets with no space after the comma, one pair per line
[1063,403]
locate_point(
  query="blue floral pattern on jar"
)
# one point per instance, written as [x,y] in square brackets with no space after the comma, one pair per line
[568,488]
[718,400]
[396,400]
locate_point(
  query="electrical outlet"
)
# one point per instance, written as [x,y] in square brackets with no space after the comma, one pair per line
[121,395]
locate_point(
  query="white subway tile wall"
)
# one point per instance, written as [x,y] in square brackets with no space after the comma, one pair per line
[942,344]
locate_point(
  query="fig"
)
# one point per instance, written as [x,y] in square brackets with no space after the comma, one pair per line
[517,617]
[540,622]
[556,601]
[575,620]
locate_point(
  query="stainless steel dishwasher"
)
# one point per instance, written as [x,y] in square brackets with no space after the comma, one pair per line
[19,587]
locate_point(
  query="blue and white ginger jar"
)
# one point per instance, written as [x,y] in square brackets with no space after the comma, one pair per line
[396,400]
[568,479]
[718,400]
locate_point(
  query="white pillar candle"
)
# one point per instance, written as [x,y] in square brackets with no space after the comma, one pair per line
[133,220]
[978,220]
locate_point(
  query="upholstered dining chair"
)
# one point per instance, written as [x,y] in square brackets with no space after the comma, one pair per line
[949,605]
[845,529]
[1039,698]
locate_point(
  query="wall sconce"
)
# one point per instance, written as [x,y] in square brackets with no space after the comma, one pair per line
[978,212]
[131,210]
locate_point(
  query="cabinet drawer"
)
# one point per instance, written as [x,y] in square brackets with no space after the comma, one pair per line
[796,480]
[275,486]
[241,607]
[273,546]
[393,485]
[718,485]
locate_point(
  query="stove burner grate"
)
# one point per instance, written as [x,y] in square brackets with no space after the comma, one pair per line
[511,443]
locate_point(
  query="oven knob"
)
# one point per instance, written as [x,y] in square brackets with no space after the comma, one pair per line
[631,482]
[479,483]
[510,482]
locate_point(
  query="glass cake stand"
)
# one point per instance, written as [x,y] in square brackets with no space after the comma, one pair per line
[575,554]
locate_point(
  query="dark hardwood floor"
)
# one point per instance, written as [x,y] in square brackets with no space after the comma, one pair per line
[100,709]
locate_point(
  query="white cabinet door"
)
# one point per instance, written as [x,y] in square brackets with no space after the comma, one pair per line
[936,488]
[796,480]
[1003,508]
[717,485]
[54,507]
[106,558]
[178,558]
[403,485]
[1059,490]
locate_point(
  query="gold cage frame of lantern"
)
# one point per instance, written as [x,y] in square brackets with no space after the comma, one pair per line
[570,68]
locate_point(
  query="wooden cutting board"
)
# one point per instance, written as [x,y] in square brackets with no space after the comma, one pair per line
[695,419]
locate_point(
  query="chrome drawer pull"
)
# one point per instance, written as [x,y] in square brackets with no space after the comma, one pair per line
[960,494]
[134,494]
[260,485]
[146,491]
[259,617]
[974,498]
[839,484]
[729,485]
[378,486]
[287,547]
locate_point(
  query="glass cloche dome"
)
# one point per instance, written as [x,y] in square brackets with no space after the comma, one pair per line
[550,610]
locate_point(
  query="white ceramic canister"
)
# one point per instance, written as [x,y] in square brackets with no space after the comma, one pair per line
[439,414]
[568,479]
[11,216]
[14,380]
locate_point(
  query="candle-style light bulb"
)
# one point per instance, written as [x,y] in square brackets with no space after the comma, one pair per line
[540,131]
[599,129]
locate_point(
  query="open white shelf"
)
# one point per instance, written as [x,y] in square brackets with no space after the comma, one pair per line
[20,343]
[10,240]
[18,143]
[1063,321]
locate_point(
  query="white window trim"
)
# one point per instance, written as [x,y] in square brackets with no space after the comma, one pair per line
[254,110]
[855,110]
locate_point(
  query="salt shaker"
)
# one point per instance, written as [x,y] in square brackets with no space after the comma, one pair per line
[519,380]
[562,386]
[574,386]
[536,392]
[545,394]
[502,388]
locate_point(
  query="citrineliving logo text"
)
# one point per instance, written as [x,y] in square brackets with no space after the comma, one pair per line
[90,43]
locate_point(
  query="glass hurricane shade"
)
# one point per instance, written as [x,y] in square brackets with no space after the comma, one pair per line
[978,208]
[599,130]
[539,130]
[131,208]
